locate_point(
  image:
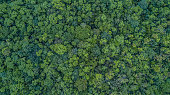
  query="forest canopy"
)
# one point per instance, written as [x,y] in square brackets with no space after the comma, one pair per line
[84,47]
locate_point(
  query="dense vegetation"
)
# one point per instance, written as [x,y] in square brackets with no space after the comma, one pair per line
[84,47]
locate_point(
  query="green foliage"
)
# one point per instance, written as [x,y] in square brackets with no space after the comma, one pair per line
[143,4]
[58,4]
[81,84]
[58,48]
[6,51]
[119,40]
[82,33]
[39,53]
[84,47]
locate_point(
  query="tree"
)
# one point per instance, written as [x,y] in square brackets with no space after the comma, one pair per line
[81,84]
[58,48]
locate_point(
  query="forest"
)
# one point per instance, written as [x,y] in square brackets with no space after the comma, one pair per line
[84,47]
